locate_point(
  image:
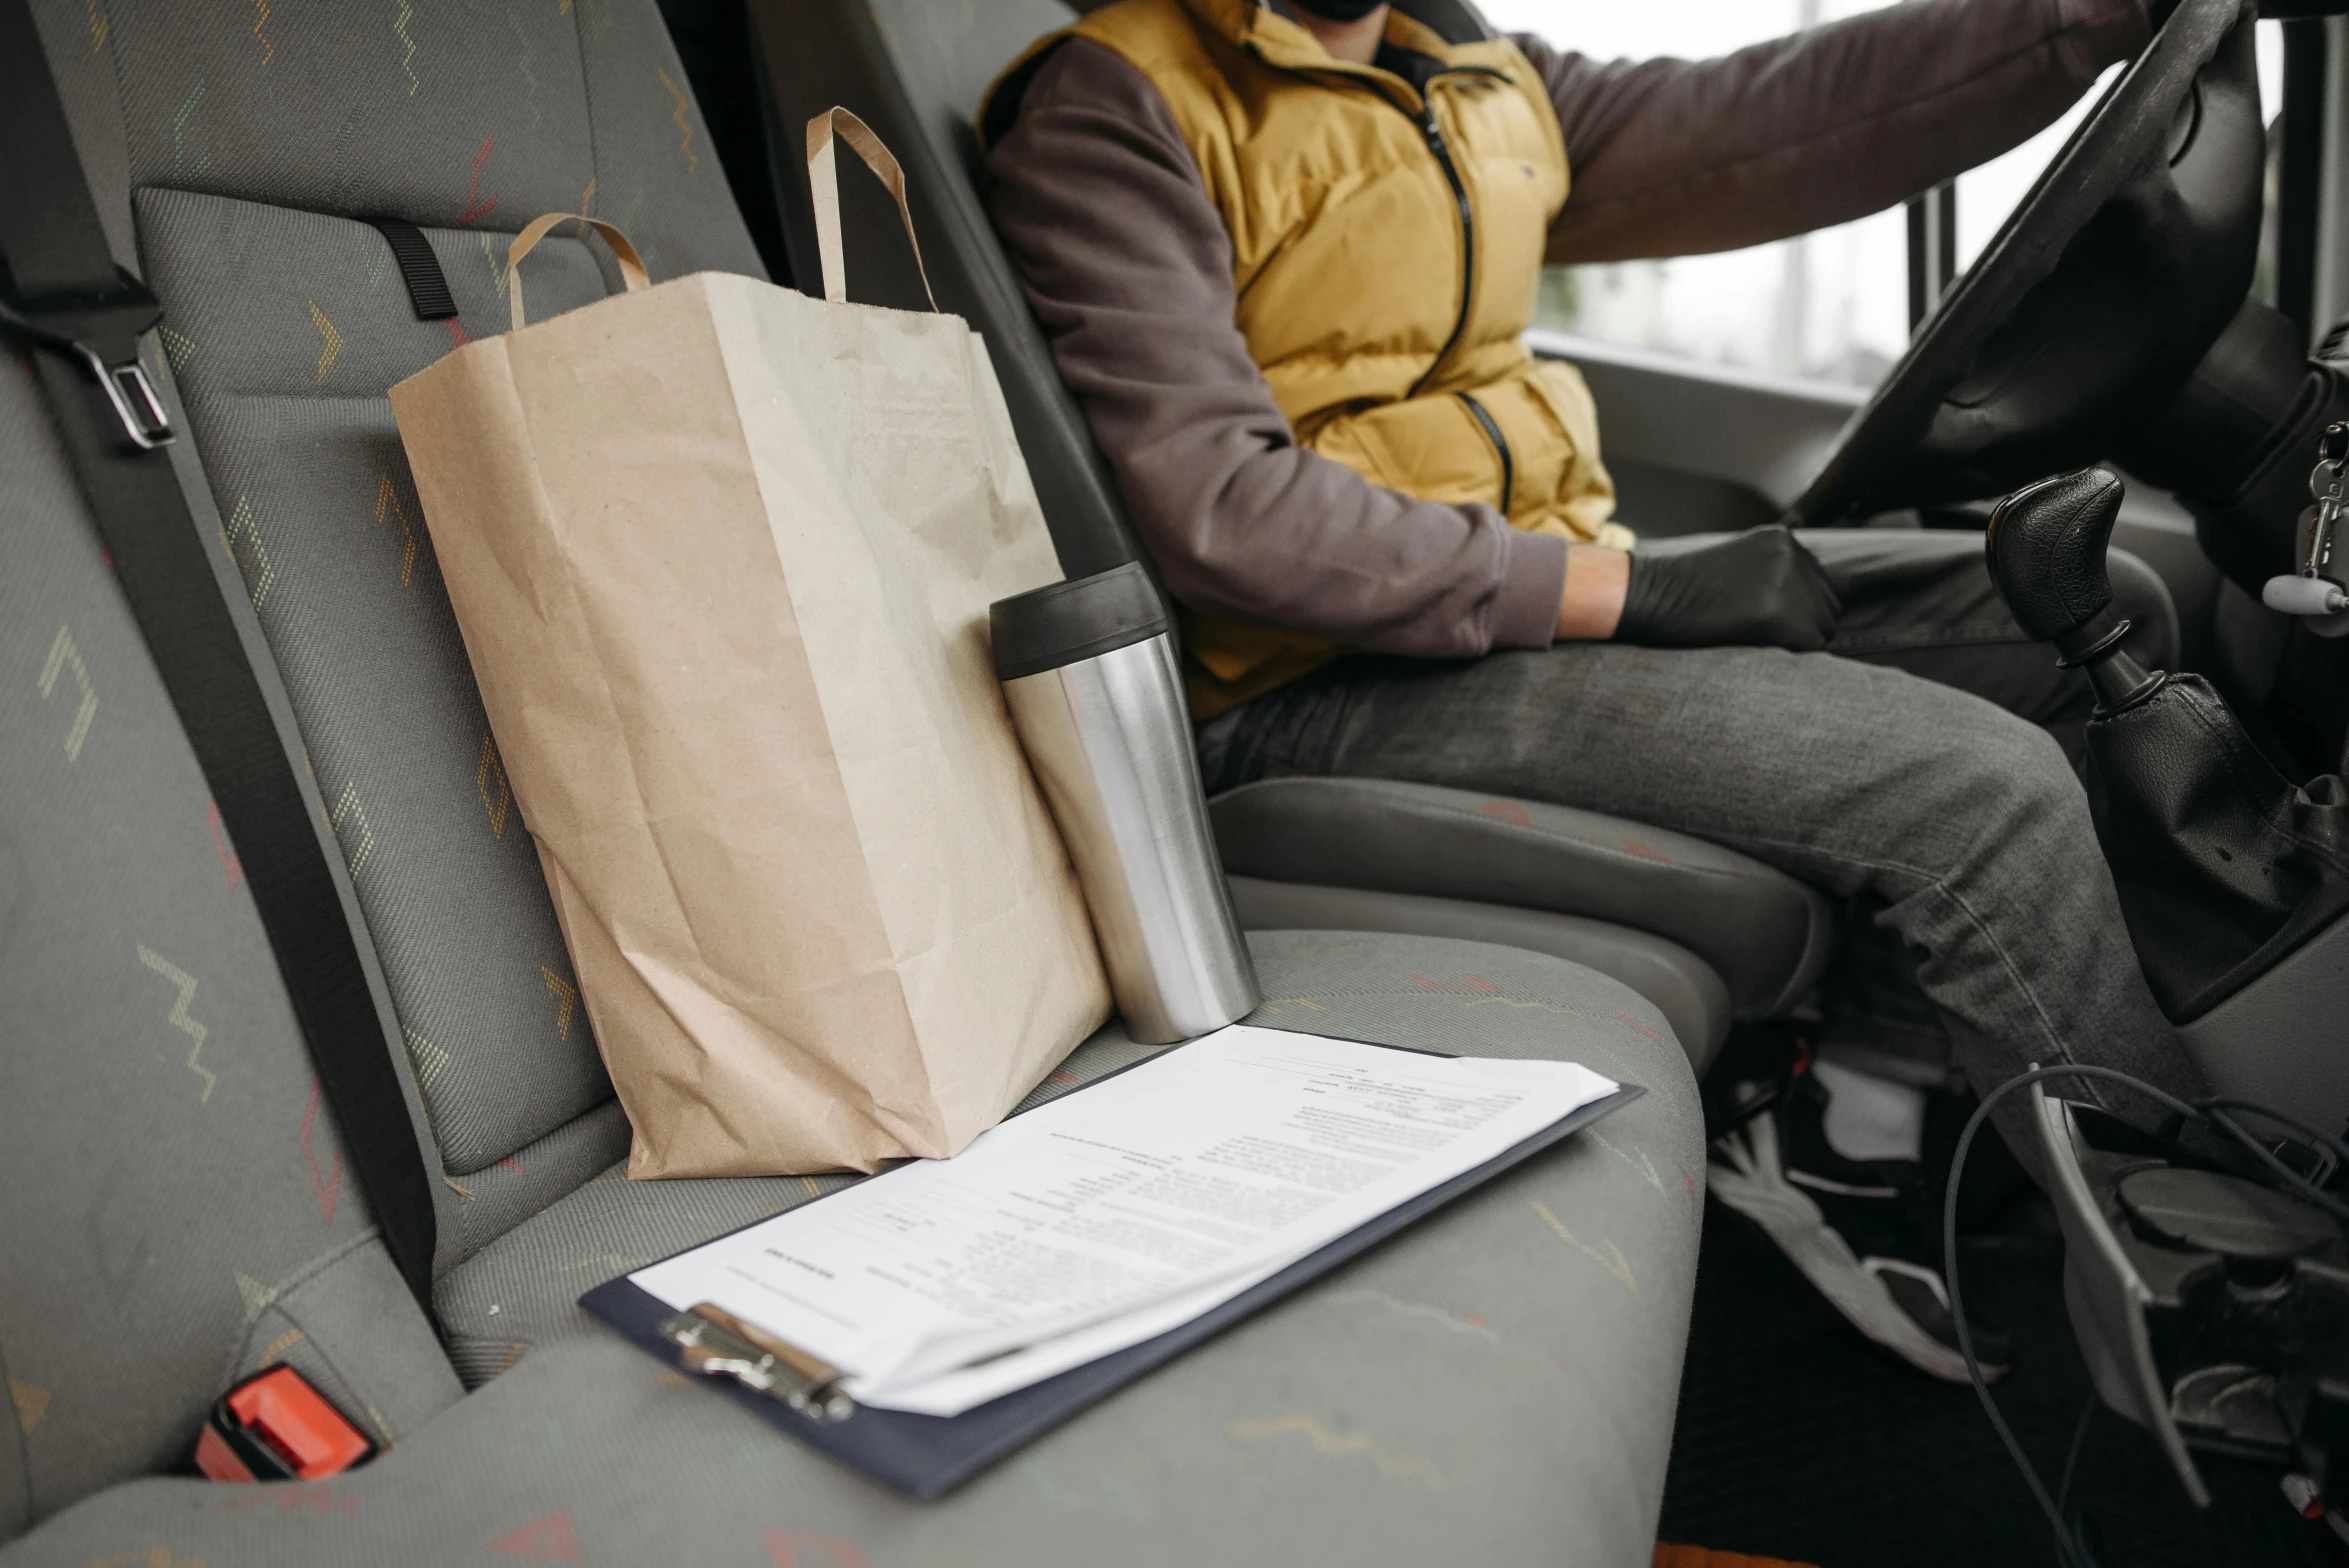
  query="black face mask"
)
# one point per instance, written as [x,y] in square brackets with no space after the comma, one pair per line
[1339,10]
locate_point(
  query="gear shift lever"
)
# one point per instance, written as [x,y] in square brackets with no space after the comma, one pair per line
[2047,546]
[2223,866]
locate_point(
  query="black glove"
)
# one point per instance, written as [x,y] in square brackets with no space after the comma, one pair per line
[1757,589]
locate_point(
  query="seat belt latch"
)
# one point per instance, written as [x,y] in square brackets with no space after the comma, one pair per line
[126,382]
[133,396]
[127,385]
[275,1427]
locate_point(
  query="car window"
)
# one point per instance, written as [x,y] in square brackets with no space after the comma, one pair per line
[1831,305]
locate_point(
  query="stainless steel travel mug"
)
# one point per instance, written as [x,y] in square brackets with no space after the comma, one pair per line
[1088,670]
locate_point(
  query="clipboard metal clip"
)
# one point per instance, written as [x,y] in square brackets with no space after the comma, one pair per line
[718,1344]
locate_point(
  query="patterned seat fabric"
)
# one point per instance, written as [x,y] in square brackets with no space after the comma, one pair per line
[176,1208]
[1494,1386]
[237,159]
[168,1231]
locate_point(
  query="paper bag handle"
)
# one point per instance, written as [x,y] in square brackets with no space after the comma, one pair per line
[632,273]
[823,180]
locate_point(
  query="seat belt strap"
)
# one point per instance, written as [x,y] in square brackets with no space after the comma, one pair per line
[60,287]
[428,286]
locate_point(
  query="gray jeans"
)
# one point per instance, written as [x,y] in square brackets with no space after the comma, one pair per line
[1918,768]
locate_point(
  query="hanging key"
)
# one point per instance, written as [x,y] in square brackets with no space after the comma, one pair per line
[2315,593]
[2325,483]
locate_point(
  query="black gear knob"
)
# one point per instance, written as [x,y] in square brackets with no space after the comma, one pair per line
[2046,547]
[2047,543]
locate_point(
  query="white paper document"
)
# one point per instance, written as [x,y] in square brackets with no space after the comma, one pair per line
[1115,1213]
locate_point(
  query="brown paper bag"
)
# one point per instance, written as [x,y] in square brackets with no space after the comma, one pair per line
[722,556]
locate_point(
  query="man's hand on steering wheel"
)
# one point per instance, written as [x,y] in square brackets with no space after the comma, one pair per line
[2096,299]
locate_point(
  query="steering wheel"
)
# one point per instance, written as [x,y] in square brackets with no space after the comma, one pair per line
[2097,298]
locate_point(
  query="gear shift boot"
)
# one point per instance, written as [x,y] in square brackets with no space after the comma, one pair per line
[2223,866]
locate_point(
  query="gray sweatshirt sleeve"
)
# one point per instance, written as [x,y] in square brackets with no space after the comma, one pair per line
[1673,157]
[1127,266]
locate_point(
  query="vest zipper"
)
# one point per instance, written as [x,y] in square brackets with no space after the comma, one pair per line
[1492,431]
[1434,135]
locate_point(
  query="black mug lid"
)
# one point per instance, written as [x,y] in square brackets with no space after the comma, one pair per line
[1046,628]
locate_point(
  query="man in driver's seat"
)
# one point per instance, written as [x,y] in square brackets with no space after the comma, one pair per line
[1284,250]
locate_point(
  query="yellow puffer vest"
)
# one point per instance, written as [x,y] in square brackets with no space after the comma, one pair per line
[1385,253]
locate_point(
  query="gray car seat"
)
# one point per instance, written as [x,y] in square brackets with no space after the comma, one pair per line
[1704,932]
[1496,1384]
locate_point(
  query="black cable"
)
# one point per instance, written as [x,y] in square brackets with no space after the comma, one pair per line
[2267,1157]
[2070,1552]
[2063,1490]
[2338,1149]
[1747,1111]
[2066,1549]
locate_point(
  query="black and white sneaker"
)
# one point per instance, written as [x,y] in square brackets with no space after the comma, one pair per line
[1859,1230]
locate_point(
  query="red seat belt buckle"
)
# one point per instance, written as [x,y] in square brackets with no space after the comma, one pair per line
[275,1427]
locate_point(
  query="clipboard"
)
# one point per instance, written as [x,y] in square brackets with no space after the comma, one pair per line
[927,1456]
